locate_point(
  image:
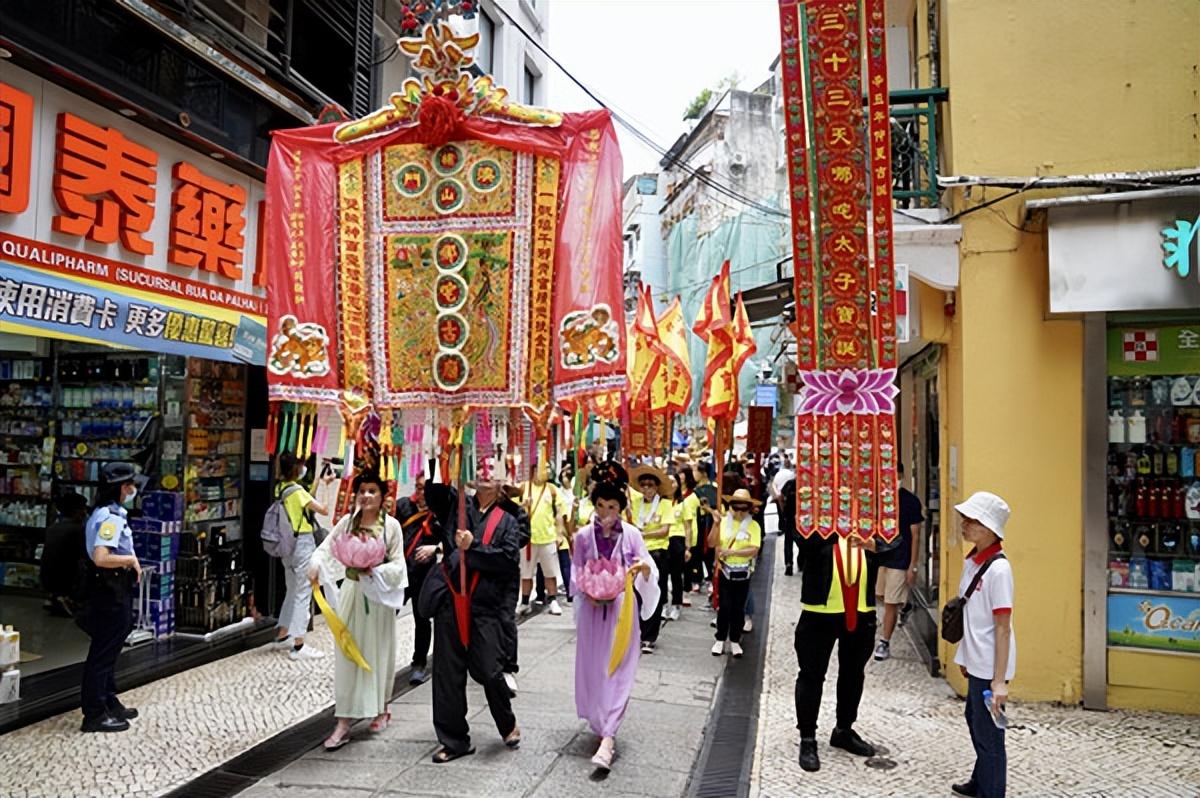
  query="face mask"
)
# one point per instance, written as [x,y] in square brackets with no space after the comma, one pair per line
[127,502]
[303,473]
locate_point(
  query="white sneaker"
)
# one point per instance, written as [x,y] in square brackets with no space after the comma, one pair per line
[673,614]
[524,609]
[736,648]
[713,623]
[718,648]
[554,608]
[306,652]
[748,626]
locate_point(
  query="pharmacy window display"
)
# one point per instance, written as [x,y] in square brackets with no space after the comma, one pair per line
[1154,487]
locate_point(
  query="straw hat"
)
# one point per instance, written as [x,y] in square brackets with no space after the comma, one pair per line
[741,496]
[636,475]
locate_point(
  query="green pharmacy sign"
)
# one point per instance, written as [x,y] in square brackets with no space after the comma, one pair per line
[1177,245]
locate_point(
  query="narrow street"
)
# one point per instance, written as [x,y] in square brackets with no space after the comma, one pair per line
[656,747]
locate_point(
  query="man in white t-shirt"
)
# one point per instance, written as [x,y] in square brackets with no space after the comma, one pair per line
[987,654]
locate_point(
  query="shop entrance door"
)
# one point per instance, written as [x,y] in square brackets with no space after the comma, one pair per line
[922,612]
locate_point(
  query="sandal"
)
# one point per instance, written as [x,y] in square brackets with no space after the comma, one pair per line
[445,755]
[332,744]
[381,722]
[513,740]
[604,756]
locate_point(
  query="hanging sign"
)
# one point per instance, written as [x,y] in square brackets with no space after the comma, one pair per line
[839,172]
[758,429]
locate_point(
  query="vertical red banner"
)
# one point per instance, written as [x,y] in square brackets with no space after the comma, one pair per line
[840,186]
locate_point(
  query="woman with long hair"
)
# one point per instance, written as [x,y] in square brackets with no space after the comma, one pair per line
[609,556]
[366,549]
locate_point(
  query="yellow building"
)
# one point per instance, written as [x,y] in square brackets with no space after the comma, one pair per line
[1061,370]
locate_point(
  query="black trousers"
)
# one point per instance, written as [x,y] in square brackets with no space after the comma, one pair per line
[651,626]
[508,626]
[108,621]
[816,632]
[731,608]
[790,541]
[484,661]
[675,550]
[422,626]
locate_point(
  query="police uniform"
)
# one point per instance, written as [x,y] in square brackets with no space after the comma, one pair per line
[108,618]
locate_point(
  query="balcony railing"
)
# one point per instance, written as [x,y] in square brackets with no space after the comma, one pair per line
[915,146]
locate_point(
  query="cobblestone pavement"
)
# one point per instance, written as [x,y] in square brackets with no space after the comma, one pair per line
[1054,751]
[189,724]
[656,747]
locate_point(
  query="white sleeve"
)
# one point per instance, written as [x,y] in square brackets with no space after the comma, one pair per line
[998,584]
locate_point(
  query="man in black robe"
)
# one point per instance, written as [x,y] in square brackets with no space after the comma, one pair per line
[490,545]
[424,540]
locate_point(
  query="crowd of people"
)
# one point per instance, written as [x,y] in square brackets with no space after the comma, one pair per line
[631,550]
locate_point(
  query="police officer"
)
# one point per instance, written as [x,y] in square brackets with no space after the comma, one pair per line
[108,619]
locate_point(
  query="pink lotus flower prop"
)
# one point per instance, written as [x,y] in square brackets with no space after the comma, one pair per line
[359,552]
[859,391]
[602,579]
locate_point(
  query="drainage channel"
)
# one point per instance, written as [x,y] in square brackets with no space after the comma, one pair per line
[275,753]
[728,754]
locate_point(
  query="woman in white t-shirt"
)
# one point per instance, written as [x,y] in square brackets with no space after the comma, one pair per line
[987,654]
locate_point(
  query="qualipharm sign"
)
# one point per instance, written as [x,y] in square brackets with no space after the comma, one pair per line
[112,234]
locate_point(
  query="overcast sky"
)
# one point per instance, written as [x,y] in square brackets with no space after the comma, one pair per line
[649,58]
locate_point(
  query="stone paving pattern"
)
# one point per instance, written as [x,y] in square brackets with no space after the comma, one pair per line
[189,724]
[1053,751]
[656,747]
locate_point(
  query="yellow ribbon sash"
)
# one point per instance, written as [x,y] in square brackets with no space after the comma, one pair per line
[341,634]
[624,630]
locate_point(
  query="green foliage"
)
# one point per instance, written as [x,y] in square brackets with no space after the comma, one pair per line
[697,105]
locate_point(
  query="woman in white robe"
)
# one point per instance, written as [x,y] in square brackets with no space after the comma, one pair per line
[366,602]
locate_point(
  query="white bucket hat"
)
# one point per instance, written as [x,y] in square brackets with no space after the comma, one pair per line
[988,509]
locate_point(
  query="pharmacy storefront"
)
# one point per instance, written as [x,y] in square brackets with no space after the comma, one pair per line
[1129,265]
[132,304]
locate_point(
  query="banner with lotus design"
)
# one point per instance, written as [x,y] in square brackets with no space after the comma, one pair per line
[839,172]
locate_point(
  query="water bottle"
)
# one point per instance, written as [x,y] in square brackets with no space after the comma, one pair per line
[998,716]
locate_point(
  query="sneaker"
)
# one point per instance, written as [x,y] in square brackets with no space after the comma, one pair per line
[647,648]
[748,625]
[968,789]
[554,608]
[718,648]
[524,609]
[713,623]
[883,650]
[687,602]
[672,614]
[280,645]
[736,648]
[306,652]
[808,755]
[848,740]
[511,681]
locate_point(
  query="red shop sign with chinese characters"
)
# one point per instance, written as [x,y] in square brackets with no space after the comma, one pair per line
[113,234]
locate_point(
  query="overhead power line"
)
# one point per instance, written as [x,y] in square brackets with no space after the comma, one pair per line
[672,160]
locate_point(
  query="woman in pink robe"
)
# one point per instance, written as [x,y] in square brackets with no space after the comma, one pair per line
[600,698]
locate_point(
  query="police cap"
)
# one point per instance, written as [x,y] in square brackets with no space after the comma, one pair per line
[116,473]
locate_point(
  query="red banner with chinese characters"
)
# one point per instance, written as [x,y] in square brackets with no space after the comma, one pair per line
[476,246]
[758,429]
[839,172]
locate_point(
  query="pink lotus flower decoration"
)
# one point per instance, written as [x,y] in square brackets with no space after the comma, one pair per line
[602,579]
[860,391]
[361,552]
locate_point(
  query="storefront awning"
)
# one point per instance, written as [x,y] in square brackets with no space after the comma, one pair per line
[1108,252]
